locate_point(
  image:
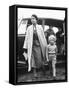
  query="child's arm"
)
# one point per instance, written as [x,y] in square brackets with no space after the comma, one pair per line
[56,50]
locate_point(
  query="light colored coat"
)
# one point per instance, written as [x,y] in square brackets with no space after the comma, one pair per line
[29,41]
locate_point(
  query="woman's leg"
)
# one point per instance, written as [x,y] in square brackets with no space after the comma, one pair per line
[34,72]
[43,70]
[50,67]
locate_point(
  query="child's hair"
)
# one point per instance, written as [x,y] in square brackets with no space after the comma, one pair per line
[52,38]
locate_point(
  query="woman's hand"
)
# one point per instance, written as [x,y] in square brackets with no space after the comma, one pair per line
[25,55]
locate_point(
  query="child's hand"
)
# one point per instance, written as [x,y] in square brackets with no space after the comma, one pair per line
[47,60]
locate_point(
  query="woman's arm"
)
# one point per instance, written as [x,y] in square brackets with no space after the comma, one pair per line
[25,46]
[26,39]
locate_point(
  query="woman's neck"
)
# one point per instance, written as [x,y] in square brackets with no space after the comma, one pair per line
[34,26]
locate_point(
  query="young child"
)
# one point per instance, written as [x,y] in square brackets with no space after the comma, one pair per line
[52,50]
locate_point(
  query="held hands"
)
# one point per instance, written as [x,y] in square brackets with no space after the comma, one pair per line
[47,60]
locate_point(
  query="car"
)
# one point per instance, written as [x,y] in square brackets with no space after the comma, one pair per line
[25,22]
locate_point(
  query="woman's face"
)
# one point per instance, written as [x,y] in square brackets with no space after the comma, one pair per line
[33,20]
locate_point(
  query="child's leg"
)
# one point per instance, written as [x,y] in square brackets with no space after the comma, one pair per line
[54,68]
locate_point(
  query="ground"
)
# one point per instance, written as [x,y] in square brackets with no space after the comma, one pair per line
[29,76]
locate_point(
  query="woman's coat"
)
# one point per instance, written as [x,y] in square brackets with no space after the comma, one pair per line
[29,42]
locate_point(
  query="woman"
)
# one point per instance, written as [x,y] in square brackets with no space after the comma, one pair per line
[35,43]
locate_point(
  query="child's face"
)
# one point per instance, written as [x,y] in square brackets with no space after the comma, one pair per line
[51,42]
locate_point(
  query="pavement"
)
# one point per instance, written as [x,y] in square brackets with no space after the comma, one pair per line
[24,76]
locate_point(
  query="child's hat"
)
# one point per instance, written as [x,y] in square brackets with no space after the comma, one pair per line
[52,37]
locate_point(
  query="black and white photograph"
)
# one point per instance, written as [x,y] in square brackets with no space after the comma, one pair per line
[39,44]
[41,54]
